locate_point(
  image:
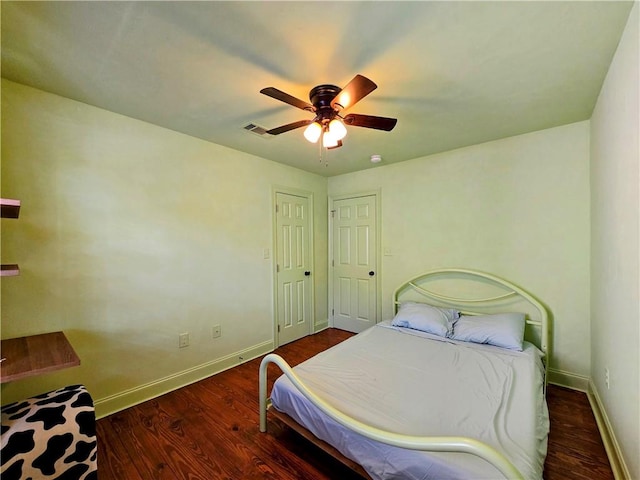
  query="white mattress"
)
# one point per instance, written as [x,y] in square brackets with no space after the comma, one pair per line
[412,383]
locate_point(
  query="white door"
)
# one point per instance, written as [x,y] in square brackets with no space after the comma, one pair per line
[354,263]
[293,268]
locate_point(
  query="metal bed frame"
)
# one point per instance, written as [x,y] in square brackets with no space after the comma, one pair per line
[507,296]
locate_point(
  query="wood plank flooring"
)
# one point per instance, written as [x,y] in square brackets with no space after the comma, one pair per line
[575,447]
[209,431]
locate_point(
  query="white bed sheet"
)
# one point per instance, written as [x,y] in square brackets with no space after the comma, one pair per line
[413,383]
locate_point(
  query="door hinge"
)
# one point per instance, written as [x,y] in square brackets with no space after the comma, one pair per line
[276,208]
[333,213]
[277,268]
[278,328]
[332,264]
[333,312]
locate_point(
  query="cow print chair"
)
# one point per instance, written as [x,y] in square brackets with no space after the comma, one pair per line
[50,436]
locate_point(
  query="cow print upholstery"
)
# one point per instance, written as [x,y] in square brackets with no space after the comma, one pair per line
[50,436]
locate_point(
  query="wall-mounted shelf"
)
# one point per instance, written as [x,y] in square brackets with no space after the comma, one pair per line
[9,208]
[9,270]
[35,355]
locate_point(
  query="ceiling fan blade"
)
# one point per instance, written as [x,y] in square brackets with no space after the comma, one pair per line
[286,98]
[370,121]
[358,88]
[288,127]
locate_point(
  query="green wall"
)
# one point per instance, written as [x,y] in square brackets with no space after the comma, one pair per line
[517,208]
[615,255]
[130,234]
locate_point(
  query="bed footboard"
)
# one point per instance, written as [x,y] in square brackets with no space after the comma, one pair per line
[433,444]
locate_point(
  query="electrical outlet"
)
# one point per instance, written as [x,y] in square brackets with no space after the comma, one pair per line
[216,331]
[183,340]
[606,378]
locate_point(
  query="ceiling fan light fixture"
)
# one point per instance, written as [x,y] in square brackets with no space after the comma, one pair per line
[313,132]
[329,140]
[337,129]
[338,145]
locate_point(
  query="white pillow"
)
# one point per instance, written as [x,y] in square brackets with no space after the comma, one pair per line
[504,330]
[426,318]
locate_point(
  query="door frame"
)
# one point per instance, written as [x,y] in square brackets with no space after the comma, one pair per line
[275,189]
[378,254]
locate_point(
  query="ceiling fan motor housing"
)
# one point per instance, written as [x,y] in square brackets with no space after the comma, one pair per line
[321,97]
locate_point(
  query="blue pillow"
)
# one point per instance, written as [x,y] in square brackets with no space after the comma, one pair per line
[504,330]
[426,318]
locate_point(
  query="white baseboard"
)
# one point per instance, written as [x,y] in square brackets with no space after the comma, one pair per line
[568,379]
[128,398]
[318,327]
[611,445]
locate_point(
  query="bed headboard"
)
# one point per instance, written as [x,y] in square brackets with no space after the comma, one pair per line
[478,293]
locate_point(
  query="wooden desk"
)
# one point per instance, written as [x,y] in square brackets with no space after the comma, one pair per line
[35,355]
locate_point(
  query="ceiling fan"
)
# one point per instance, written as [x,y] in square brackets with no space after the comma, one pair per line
[328,102]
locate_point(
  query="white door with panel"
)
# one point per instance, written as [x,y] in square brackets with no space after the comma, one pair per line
[293,268]
[354,263]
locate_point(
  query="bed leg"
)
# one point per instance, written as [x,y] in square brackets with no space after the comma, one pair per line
[262,388]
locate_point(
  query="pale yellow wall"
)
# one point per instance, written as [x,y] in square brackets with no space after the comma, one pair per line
[130,234]
[615,258]
[517,208]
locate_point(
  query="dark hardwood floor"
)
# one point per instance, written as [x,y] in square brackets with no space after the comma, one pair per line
[575,447]
[209,431]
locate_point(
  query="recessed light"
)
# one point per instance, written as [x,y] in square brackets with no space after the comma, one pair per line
[376,158]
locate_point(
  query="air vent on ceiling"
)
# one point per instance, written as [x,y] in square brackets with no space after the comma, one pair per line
[257,130]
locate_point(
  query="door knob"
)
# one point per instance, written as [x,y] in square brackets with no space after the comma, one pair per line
[307,273]
[372,273]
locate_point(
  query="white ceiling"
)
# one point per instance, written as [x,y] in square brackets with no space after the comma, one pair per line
[452,73]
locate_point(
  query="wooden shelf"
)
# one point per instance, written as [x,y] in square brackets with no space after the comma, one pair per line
[9,208]
[10,270]
[35,355]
